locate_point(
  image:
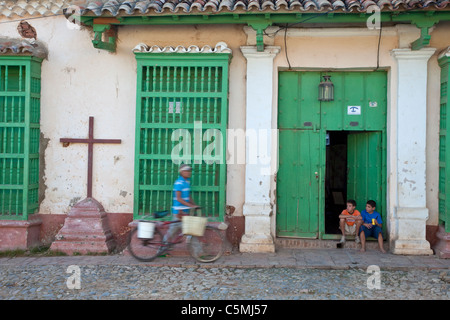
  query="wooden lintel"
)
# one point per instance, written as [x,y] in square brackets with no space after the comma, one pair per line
[106,21]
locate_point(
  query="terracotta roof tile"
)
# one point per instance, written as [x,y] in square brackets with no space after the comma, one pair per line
[22,47]
[140,7]
[9,8]
[220,47]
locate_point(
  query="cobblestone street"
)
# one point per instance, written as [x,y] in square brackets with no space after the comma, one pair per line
[112,277]
[144,282]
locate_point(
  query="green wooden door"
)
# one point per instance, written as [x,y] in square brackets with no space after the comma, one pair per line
[364,169]
[303,122]
[298,183]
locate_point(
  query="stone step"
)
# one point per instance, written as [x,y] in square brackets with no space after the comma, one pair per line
[297,243]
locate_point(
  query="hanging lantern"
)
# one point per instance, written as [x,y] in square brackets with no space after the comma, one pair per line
[326,89]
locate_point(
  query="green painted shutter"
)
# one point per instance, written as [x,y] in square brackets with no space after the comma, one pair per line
[444,149]
[20,81]
[185,93]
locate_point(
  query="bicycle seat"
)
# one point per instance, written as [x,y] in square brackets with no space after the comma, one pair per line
[160,214]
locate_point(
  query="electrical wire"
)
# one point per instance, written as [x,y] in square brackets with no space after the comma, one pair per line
[116,6]
[296,23]
[313,17]
[290,26]
[378,50]
[285,48]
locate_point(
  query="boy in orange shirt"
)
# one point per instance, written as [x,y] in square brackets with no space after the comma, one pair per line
[350,221]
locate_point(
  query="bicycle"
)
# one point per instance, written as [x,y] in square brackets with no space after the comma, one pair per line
[206,248]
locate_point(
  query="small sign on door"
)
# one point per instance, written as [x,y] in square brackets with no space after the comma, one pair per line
[177,107]
[353,110]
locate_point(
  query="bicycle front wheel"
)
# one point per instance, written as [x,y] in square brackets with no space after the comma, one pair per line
[145,249]
[207,248]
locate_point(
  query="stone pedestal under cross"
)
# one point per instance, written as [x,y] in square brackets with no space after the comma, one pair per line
[86,227]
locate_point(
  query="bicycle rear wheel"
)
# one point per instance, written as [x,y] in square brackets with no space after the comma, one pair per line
[207,248]
[145,249]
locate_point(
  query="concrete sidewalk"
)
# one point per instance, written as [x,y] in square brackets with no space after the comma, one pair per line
[282,258]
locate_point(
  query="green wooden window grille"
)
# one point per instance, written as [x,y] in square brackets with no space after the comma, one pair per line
[444,147]
[20,87]
[180,92]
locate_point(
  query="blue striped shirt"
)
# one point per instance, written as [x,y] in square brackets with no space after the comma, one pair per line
[183,185]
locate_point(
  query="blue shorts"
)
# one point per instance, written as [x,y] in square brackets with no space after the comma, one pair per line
[176,212]
[372,232]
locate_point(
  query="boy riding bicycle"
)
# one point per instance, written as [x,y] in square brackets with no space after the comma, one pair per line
[182,201]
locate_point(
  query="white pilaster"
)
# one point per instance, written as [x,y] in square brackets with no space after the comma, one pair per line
[257,207]
[411,213]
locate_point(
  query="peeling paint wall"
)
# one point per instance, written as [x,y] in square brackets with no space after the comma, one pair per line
[80,81]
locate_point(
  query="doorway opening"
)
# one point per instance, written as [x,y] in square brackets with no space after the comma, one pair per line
[353,170]
[335,179]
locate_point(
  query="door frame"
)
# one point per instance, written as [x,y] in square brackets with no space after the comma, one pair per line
[322,161]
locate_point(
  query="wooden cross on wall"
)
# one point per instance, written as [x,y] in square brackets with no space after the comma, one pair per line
[90,141]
